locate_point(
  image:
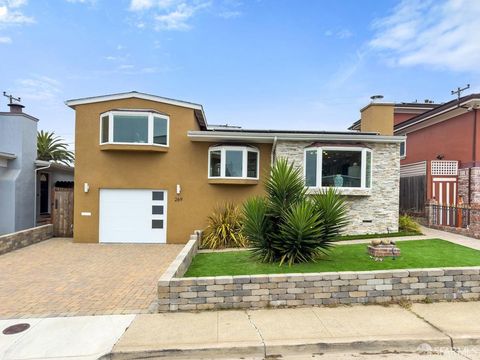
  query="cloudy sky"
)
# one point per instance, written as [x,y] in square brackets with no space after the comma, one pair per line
[286,64]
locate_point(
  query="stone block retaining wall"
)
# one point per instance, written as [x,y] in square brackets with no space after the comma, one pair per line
[20,239]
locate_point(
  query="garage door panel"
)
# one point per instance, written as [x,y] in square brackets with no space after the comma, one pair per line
[126,216]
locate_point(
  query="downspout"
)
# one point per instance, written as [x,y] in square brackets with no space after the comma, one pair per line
[35,197]
[274,147]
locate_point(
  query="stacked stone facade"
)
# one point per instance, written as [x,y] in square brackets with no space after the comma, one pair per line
[20,239]
[370,211]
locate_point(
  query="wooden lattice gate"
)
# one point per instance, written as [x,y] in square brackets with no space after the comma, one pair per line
[62,212]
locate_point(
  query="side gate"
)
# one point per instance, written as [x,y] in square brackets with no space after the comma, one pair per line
[62,212]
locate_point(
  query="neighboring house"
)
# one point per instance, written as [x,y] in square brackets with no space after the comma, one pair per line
[18,170]
[440,158]
[150,170]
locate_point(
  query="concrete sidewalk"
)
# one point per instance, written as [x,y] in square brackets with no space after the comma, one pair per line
[81,337]
[286,332]
[302,333]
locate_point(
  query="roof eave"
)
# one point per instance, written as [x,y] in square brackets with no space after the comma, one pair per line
[210,136]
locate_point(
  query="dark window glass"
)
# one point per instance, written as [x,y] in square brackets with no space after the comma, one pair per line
[160,131]
[157,195]
[402,148]
[215,163]
[311,168]
[341,168]
[157,210]
[130,128]
[252,161]
[105,129]
[233,163]
[157,224]
[368,178]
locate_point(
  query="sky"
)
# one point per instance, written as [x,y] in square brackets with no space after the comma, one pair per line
[274,64]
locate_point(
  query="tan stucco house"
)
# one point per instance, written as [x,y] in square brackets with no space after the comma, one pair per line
[150,170]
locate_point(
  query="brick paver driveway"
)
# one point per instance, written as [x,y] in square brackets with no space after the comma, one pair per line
[59,278]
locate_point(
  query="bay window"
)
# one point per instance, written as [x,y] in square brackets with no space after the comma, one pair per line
[134,127]
[340,167]
[233,162]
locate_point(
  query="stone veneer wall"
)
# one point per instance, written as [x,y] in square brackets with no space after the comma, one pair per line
[463,175]
[20,239]
[373,211]
[279,290]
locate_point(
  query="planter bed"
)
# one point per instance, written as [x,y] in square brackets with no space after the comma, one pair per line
[415,254]
[457,278]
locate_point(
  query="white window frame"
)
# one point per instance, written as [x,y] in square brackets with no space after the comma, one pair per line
[363,169]
[404,155]
[223,151]
[149,114]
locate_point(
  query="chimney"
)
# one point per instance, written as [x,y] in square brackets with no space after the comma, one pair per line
[14,103]
[377,117]
[16,108]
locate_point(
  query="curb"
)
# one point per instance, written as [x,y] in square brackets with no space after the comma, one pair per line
[272,350]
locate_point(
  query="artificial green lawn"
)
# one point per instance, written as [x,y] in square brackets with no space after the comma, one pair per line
[415,254]
[375,236]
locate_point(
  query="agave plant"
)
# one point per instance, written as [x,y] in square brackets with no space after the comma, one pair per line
[289,226]
[224,228]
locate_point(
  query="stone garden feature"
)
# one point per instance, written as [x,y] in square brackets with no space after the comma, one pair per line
[378,249]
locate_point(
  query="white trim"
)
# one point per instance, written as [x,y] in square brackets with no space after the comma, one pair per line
[363,166]
[444,179]
[259,137]
[150,131]
[132,94]
[245,150]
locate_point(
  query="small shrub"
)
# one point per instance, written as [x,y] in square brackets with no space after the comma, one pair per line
[224,228]
[289,226]
[407,224]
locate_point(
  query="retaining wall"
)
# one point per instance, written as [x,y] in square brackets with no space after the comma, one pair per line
[20,239]
[176,293]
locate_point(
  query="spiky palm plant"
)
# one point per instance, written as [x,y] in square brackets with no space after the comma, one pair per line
[289,226]
[224,228]
[53,148]
[333,211]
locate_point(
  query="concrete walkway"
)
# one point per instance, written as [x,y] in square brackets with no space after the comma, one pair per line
[433,328]
[428,233]
[455,238]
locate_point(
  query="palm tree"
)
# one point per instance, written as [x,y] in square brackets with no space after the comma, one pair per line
[53,148]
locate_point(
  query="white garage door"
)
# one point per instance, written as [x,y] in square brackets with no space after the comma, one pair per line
[133,216]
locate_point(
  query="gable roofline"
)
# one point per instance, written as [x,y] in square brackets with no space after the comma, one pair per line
[442,109]
[198,109]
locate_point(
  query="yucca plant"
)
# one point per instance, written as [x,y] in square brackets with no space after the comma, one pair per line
[224,228]
[289,226]
[300,238]
[333,211]
[257,228]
